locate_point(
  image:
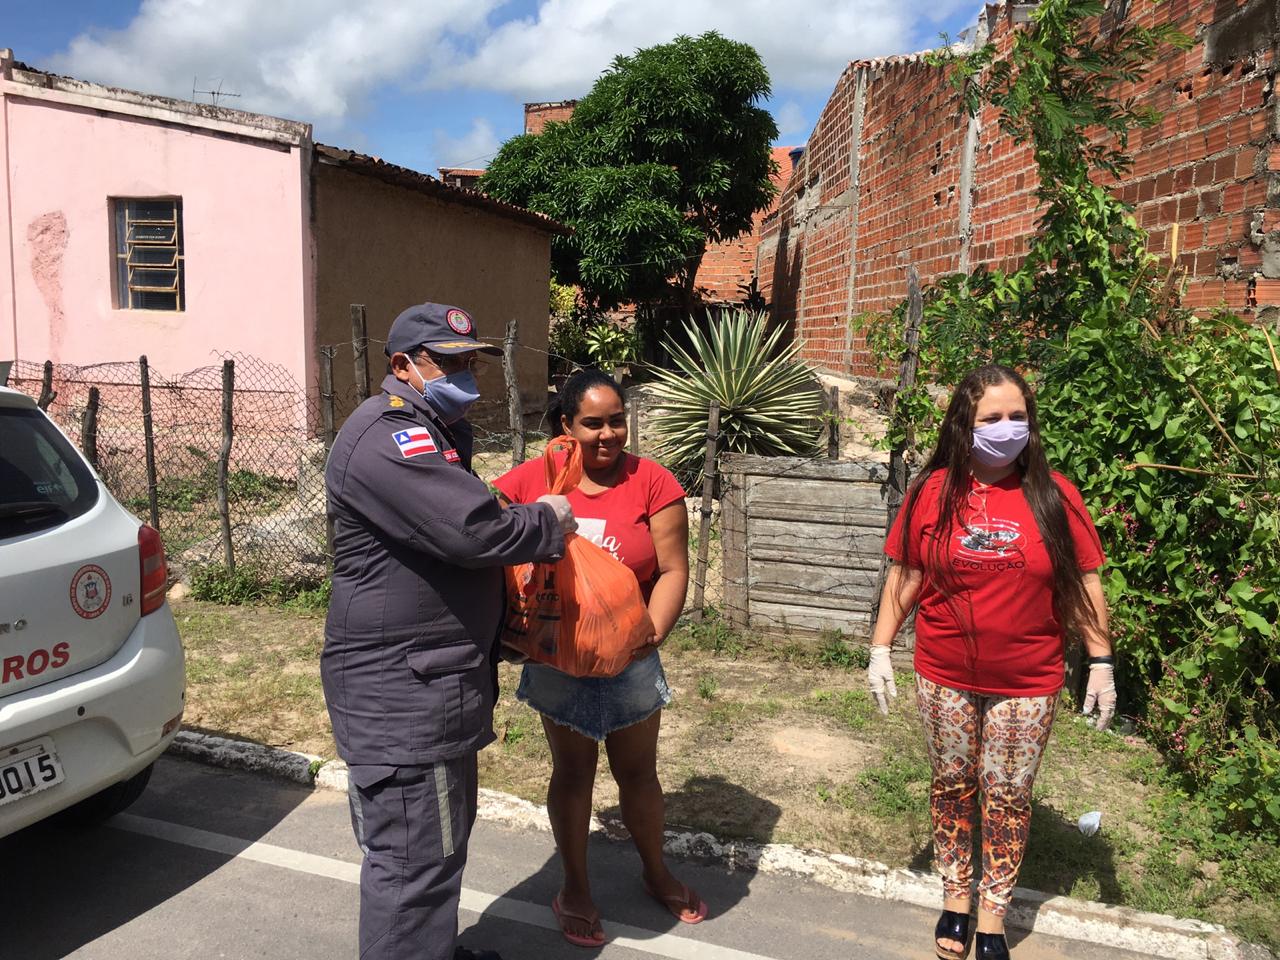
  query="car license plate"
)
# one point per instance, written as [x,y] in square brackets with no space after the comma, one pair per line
[27,769]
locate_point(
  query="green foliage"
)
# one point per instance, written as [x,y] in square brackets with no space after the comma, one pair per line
[1169,424]
[567,334]
[836,651]
[610,345]
[712,634]
[769,399]
[562,300]
[567,344]
[250,583]
[187,492]
[515,732]
[707,686]
[898,785]
[1192,866]
[1192,578]
[853,708]
[667,153]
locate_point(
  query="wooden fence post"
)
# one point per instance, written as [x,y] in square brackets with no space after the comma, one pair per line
[360,351]
[833,422]
[633,415]
[704,519]
[515,407]
[89,428]
[327,420]
[224,462]
[898,472]
[733,544]
[327,412]
[47,393]
[149,442]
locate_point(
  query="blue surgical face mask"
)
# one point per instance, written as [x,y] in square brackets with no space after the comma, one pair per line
[451,396]
[998,444]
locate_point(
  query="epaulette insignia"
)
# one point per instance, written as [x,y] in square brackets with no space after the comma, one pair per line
[395,402]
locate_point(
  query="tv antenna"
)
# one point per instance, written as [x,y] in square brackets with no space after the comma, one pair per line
[214,95]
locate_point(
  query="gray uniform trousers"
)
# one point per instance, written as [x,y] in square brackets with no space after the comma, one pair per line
[413,824]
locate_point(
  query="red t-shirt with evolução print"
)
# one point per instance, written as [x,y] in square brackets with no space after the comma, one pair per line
[994,630]
[616,519]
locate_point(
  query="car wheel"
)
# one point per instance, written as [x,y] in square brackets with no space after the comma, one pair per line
[107,803]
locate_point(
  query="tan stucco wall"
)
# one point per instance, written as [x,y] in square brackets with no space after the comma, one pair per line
[390,247]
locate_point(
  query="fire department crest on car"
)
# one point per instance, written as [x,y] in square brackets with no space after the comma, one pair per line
[90,591]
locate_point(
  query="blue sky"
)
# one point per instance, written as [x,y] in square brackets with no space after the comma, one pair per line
[429,83]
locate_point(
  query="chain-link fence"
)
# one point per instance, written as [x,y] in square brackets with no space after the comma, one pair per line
[226,461]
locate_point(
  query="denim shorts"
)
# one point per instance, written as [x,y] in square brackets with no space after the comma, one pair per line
[596,706]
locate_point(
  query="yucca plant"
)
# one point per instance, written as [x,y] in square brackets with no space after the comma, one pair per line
[770,403]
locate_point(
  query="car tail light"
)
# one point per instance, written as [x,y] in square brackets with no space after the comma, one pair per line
[154,569]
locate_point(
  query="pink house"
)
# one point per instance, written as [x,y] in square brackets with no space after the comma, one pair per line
[139,224]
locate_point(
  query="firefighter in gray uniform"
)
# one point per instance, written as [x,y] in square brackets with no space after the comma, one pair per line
[409,663]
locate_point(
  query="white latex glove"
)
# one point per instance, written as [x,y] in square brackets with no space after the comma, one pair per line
[880,677]
[564,512]
[1101,692]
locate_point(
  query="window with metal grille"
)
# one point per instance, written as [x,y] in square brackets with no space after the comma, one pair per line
[148,249]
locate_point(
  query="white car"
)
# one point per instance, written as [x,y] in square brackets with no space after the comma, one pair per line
[91,665]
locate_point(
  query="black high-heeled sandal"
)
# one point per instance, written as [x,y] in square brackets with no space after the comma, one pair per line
[952,925]
[991,946]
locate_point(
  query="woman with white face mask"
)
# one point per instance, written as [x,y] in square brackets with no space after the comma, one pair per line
[999,557]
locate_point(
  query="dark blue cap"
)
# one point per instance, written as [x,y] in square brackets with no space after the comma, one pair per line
[438,327]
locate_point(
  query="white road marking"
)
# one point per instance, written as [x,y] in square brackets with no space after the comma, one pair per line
[474,901]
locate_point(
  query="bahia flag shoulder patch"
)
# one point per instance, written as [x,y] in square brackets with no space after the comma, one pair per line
[414,442]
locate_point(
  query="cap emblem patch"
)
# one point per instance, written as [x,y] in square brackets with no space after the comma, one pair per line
[459,322]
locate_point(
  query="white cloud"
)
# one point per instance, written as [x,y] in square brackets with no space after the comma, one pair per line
[315,60]
[791,120]
[321,60]
[561,50]
[473,149]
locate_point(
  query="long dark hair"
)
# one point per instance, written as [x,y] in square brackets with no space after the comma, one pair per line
[1071,603]
[569,397]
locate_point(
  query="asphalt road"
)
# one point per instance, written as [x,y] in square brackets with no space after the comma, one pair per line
[218,864]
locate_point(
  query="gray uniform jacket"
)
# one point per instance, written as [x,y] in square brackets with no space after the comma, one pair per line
[419,546]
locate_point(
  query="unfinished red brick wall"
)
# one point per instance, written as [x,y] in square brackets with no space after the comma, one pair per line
[935,189]
[538,115]
[726,267]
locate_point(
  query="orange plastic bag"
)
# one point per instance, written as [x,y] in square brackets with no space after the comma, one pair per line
[583,615]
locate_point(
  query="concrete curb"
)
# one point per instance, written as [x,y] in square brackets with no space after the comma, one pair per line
[242,755]
[1099,923]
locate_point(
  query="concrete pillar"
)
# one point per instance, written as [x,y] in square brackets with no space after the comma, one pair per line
[855,154]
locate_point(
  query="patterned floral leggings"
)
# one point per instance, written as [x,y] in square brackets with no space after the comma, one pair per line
[995,743]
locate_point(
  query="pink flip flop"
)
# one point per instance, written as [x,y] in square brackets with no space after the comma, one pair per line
[679,904]
[576,939]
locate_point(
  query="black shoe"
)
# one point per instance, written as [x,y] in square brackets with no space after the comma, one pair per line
[951,926]
[466,953]
[992,946]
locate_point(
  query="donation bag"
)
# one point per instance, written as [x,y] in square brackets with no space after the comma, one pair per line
[584,614]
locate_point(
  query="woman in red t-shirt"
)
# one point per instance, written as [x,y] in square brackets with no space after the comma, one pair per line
[1000,558]
[633,508]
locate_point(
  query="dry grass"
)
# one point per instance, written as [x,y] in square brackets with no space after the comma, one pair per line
[253,673]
